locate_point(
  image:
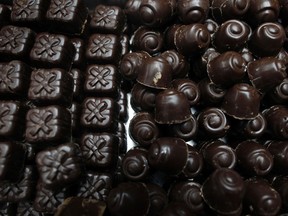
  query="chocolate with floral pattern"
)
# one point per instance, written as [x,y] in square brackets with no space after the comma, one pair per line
[52,50]
[50,86]
[48,125]
[26,209]
[15,42]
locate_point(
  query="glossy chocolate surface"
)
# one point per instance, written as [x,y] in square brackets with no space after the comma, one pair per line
[78,79]
[123,105]
[279,151]
[194,164]
[189,88]
[131,10]
[280,184]
[79,57]
[186,130]
[122,137]
[158,198]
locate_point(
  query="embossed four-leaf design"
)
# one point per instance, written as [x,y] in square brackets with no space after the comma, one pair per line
[61,8]
[96,110]
[94,187]
[4,115]
[104,15]
[47,46]
[99,75]
[45,82]
[10,38]
[7,76]
[41,122]
[101,45]
[95,148]
[24,8]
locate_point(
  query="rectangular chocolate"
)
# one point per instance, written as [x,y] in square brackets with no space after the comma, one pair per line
[8,209]
[27,209]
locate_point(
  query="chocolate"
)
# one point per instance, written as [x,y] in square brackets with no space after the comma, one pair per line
[59,166]
[125,43]
[192,11]
[231,35]
[186,130]
[217,154]
[8,209]
[168,154]
[170,35]
[267,39]
[241,101]
[128,198]
[148,40]
[50,86]
[5,14]
[50,124]
[15,42]
[52,50]
[123,105]
[99,113]
[103,49]
[279,94]
[266,73]
[191,39]
[26,208]
[14,79]
[194,164]
[172,107]
[260,198]
[280,184]
[279,150]
[131,10]
[78,80]
[176,208]
[211,26]
[189,88]
[121,134]
[95,185]
[101,80]
[99,150]
[12,162]
[212,122]
[135,165]
[12,118]
[253,158]
[156,13]
[247,55]
[68,16]
[143,129]
[107,19]
[158,198]
[79,59]
[226,68]
[75,110]
[188,192]
[179,64]
[223,191]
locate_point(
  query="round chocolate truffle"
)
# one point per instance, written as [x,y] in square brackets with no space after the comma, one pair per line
[131,10]
[247,55]
[168,154]
[135,165]
[193,165]
[211,26]
[279,151]
[280,184]
[129,199]
[223,191]
[186,130]
[189,88]
[158,199]
[279,94]
[170,35]
[176,208]
[143,129]
[253,158]
[241,101]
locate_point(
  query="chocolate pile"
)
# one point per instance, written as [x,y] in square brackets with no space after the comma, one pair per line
[208,87]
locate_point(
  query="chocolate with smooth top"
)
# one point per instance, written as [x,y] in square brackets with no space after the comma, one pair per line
[192,39]
[260,198]
[241,101]
[101,80]
[217,154]
[95,185]
[267,39]
[59,166]
[266,73]
[131,10]
[12,119]
[156,13]
[192,11]
[253,158]
[280,184]
[26,208]
[188,192]
[277,117]
[107,19]
[168,154]
[158,198]
[176,208]
[226,68]
[279,151]
[50,124]
[279,94]
[194,164]
[170,35]
[52,51]
[143,129]
[223,191]
[99,150]
[12,163]
[148,40]
[123,105]
[15,42]
[50,86]
[180,66]
[189,88]
[231,35]
[212,122]
[172,107]
[129,198]
[78,80]
[135,165]
[5,14]
[79,59]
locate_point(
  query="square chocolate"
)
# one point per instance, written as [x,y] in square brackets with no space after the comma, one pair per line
[12,118]
[79,58]
[102,80]
[99,113]
[27,209]
[51,86]
[52,51]
[99,150]
[15,42]
[48,125]
[107,19]
[95,186]
[12,156]
[78,80]
[103,48]
[5,13]
[67,16]
[14,79]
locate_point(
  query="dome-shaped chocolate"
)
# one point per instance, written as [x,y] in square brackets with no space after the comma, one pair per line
[193,165]
[279,94]
[189,88]
[186,130]
[279,151]
[158,199]
[131,10]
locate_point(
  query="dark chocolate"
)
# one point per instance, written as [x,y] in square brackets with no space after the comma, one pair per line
[5,14]
[280,184]
[123,105]
[279,151]
[189,88]
[79,57]
[131,10]
[26,208]
[8,209]
[122,137]
[176,208]
[78,79]
[211,26]
[75,110]
[279,94]
[170,35]
[194,164]
[158,198]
